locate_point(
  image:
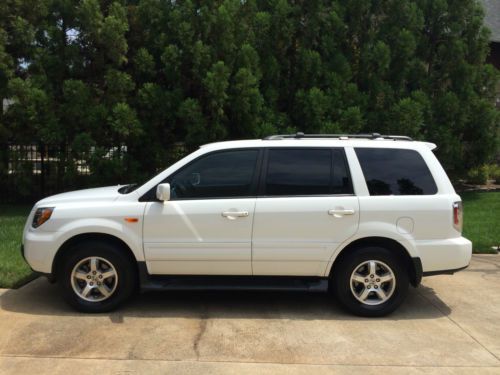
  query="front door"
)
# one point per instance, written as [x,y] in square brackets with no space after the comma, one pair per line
[206,227]
[305,209]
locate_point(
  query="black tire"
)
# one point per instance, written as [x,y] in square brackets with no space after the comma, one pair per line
[125,268]
[341,281]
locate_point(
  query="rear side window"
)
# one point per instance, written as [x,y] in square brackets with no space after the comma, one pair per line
[306,172]
[391,171]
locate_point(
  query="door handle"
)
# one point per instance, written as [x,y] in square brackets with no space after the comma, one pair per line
[232,214]
[340,212]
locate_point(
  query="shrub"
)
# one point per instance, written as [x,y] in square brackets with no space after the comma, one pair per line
[478,175]
[494,172]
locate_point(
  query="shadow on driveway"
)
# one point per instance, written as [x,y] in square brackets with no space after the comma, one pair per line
[41,298]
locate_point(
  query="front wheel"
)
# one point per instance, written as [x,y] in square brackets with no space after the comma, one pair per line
[96,276]
[370,281]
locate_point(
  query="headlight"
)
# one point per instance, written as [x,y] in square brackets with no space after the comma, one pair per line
[41,216]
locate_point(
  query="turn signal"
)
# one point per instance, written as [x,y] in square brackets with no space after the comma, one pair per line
[41,216]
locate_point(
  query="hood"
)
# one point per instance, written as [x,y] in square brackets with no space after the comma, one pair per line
[109,193]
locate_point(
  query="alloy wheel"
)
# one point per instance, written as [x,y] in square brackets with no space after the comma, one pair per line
[94,279]
[372,282]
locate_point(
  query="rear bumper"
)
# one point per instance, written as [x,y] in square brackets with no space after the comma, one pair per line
[444,256]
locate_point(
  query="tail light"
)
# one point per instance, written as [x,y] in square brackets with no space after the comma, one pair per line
[458,216]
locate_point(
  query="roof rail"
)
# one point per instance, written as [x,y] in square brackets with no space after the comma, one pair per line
[300,135]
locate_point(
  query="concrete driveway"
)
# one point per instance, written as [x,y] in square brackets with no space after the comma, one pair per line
[450,324]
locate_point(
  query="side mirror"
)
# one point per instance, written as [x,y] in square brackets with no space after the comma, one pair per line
[163,192]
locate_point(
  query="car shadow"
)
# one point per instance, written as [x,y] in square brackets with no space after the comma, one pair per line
[42,298]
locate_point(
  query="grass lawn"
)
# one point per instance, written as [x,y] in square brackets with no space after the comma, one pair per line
[13,269]
[481,226]
[482,220]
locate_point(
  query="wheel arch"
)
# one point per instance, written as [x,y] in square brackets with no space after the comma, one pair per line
[91,236]
[413,264]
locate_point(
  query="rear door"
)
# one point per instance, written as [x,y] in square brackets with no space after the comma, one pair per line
[305,209]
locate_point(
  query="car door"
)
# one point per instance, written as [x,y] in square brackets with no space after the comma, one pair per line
[205,228]
[305,209]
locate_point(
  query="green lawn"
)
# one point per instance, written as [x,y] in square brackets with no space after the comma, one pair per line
[481,226]
[13,269]
[482,220]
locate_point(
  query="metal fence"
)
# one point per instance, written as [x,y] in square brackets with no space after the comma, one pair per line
[31,172]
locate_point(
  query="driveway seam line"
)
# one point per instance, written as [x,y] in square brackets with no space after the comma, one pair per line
[458,325]
[244,362]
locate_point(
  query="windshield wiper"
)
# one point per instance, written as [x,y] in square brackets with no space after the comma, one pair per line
[128,188]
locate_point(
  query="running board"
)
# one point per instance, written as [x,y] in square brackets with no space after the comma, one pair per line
[188,282]
[234,283]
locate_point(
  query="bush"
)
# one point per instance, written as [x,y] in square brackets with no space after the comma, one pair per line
[494,172]
[482,174]
[478,175]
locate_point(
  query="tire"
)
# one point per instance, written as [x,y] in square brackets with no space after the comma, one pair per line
[383,292]
[96,276]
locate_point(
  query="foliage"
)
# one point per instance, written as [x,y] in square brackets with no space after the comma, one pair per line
[482,174]
[151,73]
[478,175]
[494,172]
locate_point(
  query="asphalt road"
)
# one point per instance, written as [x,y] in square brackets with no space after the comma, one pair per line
[450,324]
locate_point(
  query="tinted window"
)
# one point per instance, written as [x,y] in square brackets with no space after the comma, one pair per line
[218,175]
[341,183]
[306,172]
[395,172]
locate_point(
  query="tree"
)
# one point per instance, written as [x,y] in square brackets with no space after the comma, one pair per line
[149,74]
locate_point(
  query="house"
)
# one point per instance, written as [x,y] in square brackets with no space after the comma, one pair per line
[492,21]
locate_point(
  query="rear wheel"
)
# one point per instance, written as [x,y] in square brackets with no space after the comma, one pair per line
[370,281]
[96,276]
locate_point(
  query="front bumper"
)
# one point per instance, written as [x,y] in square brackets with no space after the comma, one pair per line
[39,250]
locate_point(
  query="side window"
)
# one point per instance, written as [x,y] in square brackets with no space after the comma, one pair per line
[341,182]
[298,172]
[395,172]
[220,175]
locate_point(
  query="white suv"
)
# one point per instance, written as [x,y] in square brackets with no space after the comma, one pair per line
[363,216]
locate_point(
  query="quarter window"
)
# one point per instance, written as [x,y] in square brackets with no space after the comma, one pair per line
[395,172]
[220,175]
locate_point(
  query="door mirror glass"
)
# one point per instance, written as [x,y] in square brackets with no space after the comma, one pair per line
[163,192]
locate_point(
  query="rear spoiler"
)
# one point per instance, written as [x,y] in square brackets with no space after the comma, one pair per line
[431,146]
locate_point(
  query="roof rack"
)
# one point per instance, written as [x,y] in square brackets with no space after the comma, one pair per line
[300,135]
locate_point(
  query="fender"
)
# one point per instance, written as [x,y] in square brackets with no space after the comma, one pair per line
[130,235]
[375,229]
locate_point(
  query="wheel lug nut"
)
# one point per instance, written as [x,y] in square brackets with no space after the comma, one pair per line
[376,286]
[378,280]
[88,276]
[100,276]
[94,272]
[372,276]
[91,283]
[368,287]
[98,283]
[366,280]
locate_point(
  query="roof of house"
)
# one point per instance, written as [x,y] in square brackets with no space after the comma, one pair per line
[492,18]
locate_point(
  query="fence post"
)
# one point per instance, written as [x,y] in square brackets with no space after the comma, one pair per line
[42,168]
